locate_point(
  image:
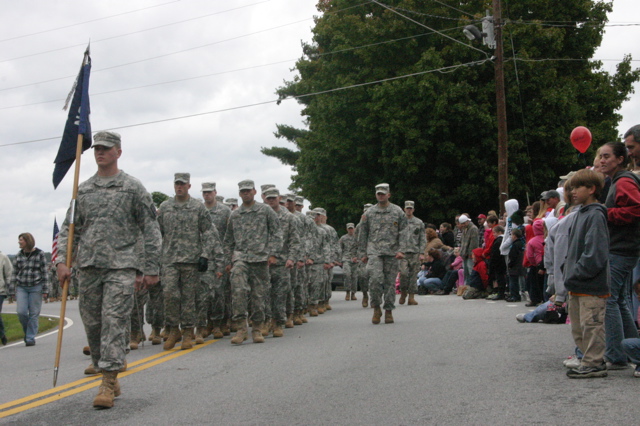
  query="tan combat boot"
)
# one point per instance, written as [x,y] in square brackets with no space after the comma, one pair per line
[412,300]
[226,330]
[157,339]
[327,306]
[353,296]
[86,350]
[173,336]
[256,333]
[152,335]
[313,310]
[106,393]
[200,331]
[266,327]
[134,340]
[217,330]
[164,334]
[91,370]
[289,323]
[365,299]
[277,331]
[346,296]
[297,318]
[187,339]
[388,317]
[320,308]
[403,297]
[241,334]
[303,318]
[124,367]
[377,314]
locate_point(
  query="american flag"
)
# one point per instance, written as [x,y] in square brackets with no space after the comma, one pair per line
[54,245]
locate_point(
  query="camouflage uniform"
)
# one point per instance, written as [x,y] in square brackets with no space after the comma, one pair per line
[320,253]
[362,273]
[188,234]
[217,288]
[280,275]
[416,241]
[111,215]
[380,238]
[306,229]
[349,247]
[335,258]
[253,234]
[155,307]
[140,298]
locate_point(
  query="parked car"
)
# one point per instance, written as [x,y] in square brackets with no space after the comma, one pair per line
[338,278]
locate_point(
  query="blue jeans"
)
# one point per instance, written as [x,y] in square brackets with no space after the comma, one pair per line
[537,314]
[631,348]
[29,301]
[433,284]
[618,321]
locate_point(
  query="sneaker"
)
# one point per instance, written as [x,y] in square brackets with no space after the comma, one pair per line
[30,343]
[636,373]
[571,362]
[3,339]
[472,293]
[520,317]
[617,365]
[583,372]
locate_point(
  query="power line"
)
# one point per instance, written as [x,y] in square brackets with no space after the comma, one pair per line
[136,32]
[442,69]
[451,7]
[429,28]
[89,21]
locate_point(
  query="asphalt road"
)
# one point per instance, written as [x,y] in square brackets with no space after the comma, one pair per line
[445,361]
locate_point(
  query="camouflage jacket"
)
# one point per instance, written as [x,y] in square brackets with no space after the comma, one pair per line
[187,232]
[291,247]
[336,254]
[253,234]
[381,231]
[220,217]
[320,246]
[307,230]
[111,215]
[415,236]
[349,247]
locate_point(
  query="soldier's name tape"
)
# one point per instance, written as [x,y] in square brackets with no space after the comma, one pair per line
[60,392]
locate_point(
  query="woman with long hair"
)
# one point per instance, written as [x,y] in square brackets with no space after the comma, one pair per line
[29,282]
[623,215]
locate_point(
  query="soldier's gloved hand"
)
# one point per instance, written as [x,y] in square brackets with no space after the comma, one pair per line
[203,264]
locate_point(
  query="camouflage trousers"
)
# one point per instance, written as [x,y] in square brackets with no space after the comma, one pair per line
[217,296]
[140,298]
[363,277]
[248,284]
[105,308]
[303,279]
[179,283]
[327,284]
[409,268]
[280,279]
[350,270]
[204,297]
[383,271]
[317,280]
[155,307]
[291,295]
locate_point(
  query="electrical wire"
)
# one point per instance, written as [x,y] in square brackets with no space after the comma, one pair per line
[451,7]
[442,69]
[429,28]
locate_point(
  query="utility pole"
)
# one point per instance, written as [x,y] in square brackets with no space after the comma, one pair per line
[503,183]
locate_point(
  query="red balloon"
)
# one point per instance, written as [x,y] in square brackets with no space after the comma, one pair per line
[581,139]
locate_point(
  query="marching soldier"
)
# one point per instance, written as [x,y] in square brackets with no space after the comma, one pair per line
[410,266]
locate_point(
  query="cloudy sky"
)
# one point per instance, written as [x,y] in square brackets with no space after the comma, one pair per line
[159,60]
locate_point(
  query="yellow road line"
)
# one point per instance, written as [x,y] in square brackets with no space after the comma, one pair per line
[148,363]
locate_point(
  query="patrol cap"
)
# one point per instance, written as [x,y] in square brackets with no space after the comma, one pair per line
[264,187]
[271,192]
[312,213]
[350,225]
[290,197]
[409,205]
[299,201]
[208,187]
[320,211]
[182,177]
[382,188]
[246,184]
[366,206]
[220,198]
[108,139]
[232,201]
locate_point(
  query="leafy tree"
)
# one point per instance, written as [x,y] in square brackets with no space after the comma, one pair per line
[433,136]
[159,198]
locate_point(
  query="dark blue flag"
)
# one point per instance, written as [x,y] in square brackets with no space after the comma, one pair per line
[77,123]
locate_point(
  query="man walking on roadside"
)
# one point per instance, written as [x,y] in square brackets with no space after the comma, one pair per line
[410,266]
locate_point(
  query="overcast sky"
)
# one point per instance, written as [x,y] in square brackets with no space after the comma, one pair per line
[227,54]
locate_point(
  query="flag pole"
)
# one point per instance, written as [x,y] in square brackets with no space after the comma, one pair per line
[70,237]
[65,285]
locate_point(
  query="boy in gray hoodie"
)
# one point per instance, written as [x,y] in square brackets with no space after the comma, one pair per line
[586,274]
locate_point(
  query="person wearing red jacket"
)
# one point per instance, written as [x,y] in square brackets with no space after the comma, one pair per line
[479,277]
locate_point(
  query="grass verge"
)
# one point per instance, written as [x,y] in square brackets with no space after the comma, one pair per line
[13,328]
